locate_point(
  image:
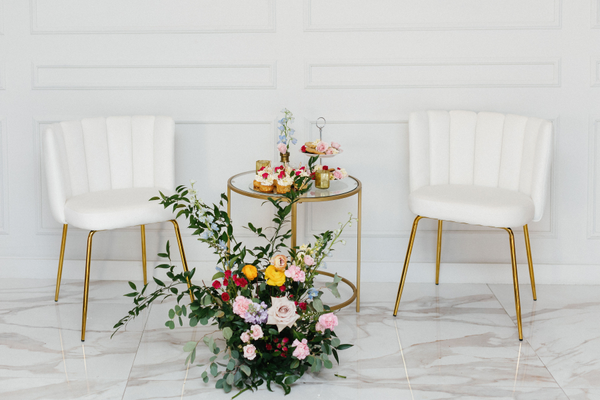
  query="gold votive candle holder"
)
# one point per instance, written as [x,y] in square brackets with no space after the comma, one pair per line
[322,179]
[262,163]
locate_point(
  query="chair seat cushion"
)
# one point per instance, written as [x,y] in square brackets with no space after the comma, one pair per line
[477,205]
[117,208]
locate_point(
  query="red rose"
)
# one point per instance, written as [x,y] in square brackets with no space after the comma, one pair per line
[302,306]
[261,168]
[285,340]
[228,274]
[216,284]
[298,173]
[265,175]
[269,347]
[225,296]
[303,149]
[225,282]
[282,288]
[276,340]
[325,167]
[284,349]
[279,345]
[283,355]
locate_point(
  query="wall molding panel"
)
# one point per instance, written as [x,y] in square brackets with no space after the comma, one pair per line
[143,17]
[155,77]
[595,72]
[430,73]
[4,200]
[595,14]
[593,214]
[375,15]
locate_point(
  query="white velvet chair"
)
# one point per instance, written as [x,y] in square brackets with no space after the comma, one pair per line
[101,173]
[482,168]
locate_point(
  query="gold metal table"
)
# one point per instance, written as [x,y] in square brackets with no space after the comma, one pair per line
[242,184]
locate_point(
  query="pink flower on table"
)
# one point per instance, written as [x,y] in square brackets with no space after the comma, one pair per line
[322,146]
[240,306]
[337,174]
[250,352]
[308,260]
[328,321]
[245,337]
[335,145]
[295,273]
[329,151]
[319,327]
[302,351]
[282,313]
[282,148]
[256,332]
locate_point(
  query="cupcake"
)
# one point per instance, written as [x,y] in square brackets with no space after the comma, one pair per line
[284,184]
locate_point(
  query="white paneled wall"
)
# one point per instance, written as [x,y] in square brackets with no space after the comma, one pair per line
[224,70]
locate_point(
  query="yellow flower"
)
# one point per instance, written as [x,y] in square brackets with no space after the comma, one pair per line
[250,271]
[274,277]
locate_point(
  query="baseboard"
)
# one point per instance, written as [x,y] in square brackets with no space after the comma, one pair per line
[371,272]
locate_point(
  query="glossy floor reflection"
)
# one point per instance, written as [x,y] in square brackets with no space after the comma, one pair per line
[453,341]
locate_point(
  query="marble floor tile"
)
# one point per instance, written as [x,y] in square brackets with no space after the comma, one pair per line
[452,341]
[563,328]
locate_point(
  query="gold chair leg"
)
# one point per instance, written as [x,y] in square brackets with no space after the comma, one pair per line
[529,260]
[439,253]
[411,241]
[513,257]
[60,261]
[143,231]
[182,252]
[86,285]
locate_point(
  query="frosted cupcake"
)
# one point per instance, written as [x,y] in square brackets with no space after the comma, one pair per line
[284,184]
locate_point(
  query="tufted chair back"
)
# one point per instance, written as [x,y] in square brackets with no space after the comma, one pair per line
[98,154]
[482,149]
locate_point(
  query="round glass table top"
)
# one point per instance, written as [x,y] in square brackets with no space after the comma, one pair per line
[242,184]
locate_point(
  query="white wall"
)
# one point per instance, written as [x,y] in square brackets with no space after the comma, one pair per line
[223,69]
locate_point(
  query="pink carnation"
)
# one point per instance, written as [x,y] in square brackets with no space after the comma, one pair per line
[328,321]
[282,148]
[335,145]
[240,306]
[308,260]
[302,351]
[322,146]
[295,273]
[319,327]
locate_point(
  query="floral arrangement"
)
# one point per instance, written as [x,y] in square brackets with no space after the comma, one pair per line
[286,135]
[273,326]
[321,148]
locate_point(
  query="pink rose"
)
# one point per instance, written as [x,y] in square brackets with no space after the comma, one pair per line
[308,260]
[282,313]
[335,145]
[322,146]
[295,273]
[240,306]
[337,174]
[257,332]
[302,351]
[282,148]
[329,151]
[328,321]
[250,352]
[245,337]
[319,327]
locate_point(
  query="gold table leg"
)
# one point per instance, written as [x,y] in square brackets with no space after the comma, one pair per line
[438,257]
[529,261]
[60,261]
[86,285]
[358,249]
[143,232]
[294,223]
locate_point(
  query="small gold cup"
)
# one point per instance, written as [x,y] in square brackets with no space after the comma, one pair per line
[262,163]
[322,179]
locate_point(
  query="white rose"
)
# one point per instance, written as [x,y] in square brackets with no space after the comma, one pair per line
[282,313]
